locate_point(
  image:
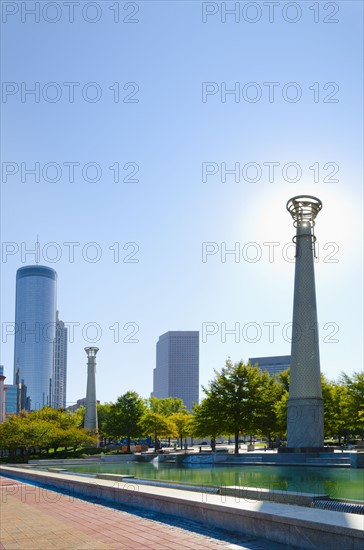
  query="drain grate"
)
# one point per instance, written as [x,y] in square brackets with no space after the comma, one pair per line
[338,506]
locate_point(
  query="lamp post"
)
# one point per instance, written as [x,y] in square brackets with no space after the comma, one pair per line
[91,405]
[305,412]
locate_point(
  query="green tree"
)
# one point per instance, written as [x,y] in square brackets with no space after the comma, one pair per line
[12,434]
[271,392]
[280,406]
[37,430]
[166,406]
[244,396]
[155,424]
[79,416]
[206,420]
[78,437]
[103,415]
[335,408]
[355,400]
[181,421]
[280,411]
[38,434]
[124,416]
[283,378]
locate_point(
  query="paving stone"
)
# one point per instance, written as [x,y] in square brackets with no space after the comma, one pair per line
[31,519]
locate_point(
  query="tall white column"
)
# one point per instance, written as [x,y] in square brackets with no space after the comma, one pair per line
[305,410]
[91,404]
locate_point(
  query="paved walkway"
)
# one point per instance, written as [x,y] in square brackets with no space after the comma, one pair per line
[33,518]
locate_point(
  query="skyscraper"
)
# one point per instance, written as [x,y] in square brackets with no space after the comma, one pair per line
[11,405]
[2,394]
[35,330]
[272,365]
[177,367]
[60,365]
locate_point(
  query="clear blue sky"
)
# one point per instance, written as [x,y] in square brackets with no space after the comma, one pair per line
[171,211]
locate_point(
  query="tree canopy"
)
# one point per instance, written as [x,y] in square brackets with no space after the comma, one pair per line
[123,418]
[44,429]
[242,397]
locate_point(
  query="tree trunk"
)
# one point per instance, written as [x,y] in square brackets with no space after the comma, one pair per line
[213,444]
[236,450]
[128,444]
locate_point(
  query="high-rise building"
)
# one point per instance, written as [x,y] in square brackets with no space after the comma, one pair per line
[272,365]
[35,331]
[60,365]
[2,395]
[177,367]
[16,397]
[11,404]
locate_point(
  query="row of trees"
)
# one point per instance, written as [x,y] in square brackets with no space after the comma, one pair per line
[240,400]
[37,431]
[133,417]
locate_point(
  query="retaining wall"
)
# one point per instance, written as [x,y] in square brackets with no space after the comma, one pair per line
[300,527]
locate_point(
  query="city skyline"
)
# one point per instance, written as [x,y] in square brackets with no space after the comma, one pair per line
[157,181]
[210,328]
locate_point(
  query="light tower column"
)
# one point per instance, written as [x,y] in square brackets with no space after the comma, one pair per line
[91,404]
[305,410]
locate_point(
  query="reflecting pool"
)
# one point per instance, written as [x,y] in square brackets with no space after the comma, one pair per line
[347,483]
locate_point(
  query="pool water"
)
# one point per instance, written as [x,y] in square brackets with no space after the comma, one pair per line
[341,483]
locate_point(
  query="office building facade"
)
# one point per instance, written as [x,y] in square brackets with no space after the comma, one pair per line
[272,365]
[177,367]
[35,331]
[12,398]
[2,395]
[60,365]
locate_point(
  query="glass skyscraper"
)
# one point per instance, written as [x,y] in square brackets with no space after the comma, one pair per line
[2,395]
[11,404]
[60,365]
[35,331]
[177,369]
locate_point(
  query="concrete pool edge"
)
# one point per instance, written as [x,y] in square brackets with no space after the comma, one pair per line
[300,527]
[240,492]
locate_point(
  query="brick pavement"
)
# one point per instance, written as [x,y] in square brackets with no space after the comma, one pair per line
[33,518]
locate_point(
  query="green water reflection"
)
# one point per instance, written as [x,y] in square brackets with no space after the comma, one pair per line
[336,482]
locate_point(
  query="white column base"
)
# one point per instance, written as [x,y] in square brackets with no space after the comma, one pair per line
[305,422]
